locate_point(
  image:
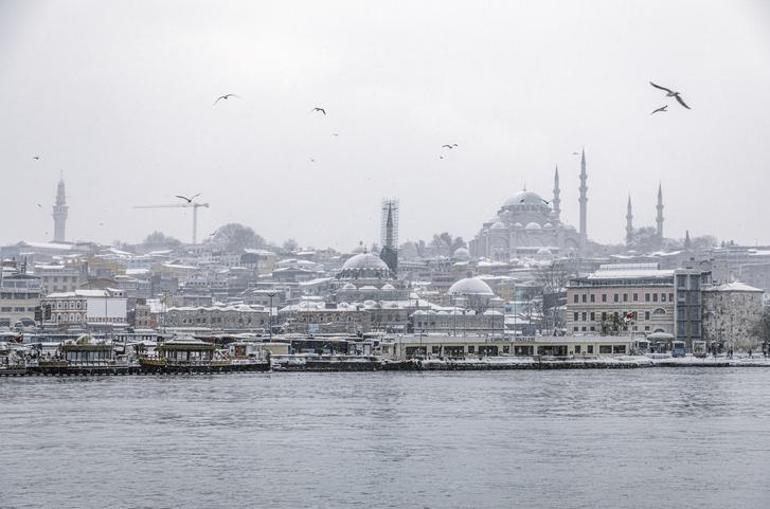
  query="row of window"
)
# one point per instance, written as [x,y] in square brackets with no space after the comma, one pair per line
[633,315]
[17,309]
[616,297]
[591,328]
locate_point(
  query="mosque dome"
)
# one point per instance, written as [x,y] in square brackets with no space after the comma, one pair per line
[498,226]
[470,286]
[524,198]
[364,265]
[533,226]
[349,286]
[518,225]
[544,251]
[461,253]
[388,287]
[548,226]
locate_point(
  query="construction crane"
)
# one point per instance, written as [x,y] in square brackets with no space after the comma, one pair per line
[190,204]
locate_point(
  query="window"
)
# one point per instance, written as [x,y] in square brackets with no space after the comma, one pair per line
[583,329]
[659,311]
[671,297]
[593,328]
[625,297]
[636,297]
[646,327]
[577,348]
[616,297]
[593,298]
[584,298]
[470,349]
[646,316]
[605,348]
[593,316]
[590,348]
[654,297]
[576,299]
[574,329]
[604,315]
[575,317]
[584,316]
[663,297]
[604,297]
[646,297]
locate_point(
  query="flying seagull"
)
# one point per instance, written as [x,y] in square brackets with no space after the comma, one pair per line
[39,205]
[662,109]
[320,109]
[225,97]
[335,134]
[671,93]
[576,153]
[450,147]
[36,158]
[312,160]
[188,200]
[544,201]
[441,157]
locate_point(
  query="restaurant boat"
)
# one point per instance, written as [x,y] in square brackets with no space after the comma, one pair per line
[191,355]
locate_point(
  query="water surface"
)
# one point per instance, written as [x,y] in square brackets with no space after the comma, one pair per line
[689,437]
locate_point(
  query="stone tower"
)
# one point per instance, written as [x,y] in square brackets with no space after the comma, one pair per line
[583,201]
[556,193]
[659,219]
[629,223]
[60,213]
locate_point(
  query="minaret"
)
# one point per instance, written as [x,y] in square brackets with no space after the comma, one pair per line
[629,223]
[60,212]
[556,193]
[687,241]
[583,200]
[659,219]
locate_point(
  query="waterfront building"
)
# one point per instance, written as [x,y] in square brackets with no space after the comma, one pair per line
[731,311]
[86,308]
[426,346]
[19,297]
[628,298]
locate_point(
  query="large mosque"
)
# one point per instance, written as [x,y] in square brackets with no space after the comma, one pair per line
[527,224]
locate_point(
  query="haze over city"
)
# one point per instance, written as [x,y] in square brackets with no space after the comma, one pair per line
[118,97]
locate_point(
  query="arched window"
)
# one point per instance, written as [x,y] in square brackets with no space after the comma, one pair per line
[659,311]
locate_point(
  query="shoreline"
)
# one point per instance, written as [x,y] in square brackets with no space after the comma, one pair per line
[370,365]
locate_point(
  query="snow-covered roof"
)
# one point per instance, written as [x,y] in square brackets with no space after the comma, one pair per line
[735,286]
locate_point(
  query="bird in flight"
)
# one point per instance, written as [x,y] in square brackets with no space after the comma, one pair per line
[450,147]
[40,206]
[671,93]
[225,97]
[544,201]
[187,199]
[36,158]
[441,157]
[662,109]
[335,134]
[576,153]
[312,160]
[320,109]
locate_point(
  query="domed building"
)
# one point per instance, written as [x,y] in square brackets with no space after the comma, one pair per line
[365,276]
[526,223]
[471,292]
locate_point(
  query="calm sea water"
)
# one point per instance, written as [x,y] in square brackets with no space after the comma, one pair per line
[628,438]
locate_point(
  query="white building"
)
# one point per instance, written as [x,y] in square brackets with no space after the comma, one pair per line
[86,307]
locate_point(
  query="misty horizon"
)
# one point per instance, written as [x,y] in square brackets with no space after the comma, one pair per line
[119,98]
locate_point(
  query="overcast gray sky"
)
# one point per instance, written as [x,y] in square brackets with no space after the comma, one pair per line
[119,96]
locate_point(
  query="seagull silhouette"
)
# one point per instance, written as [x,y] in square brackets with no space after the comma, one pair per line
[225,97]
[185,198]
[312,160]
[542,200]
[671,93]
[450,147]
[335,134]
[36,158]
[662,109]
[39,205]
[576,153]
[320,109]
